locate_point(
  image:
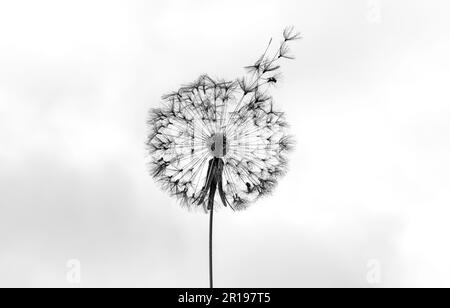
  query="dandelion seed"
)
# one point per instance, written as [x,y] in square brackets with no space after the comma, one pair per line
[284,52]
[289,34]
[217,143]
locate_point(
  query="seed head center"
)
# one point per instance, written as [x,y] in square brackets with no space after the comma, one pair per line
[217,145]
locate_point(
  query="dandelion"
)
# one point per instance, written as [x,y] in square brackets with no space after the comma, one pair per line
[217,143]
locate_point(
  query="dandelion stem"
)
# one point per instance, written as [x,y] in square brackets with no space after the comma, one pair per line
[211,213]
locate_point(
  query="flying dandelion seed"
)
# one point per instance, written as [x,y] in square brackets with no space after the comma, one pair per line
[221,143]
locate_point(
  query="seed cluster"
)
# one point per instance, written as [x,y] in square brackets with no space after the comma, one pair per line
[255,139]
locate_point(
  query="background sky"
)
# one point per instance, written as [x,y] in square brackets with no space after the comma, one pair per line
[367,99]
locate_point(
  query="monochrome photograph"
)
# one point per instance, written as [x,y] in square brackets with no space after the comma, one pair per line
[248,146]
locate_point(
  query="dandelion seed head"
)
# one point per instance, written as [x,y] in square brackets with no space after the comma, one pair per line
[234,121]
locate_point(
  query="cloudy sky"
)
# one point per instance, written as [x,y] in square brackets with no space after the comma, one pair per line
[366,202]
